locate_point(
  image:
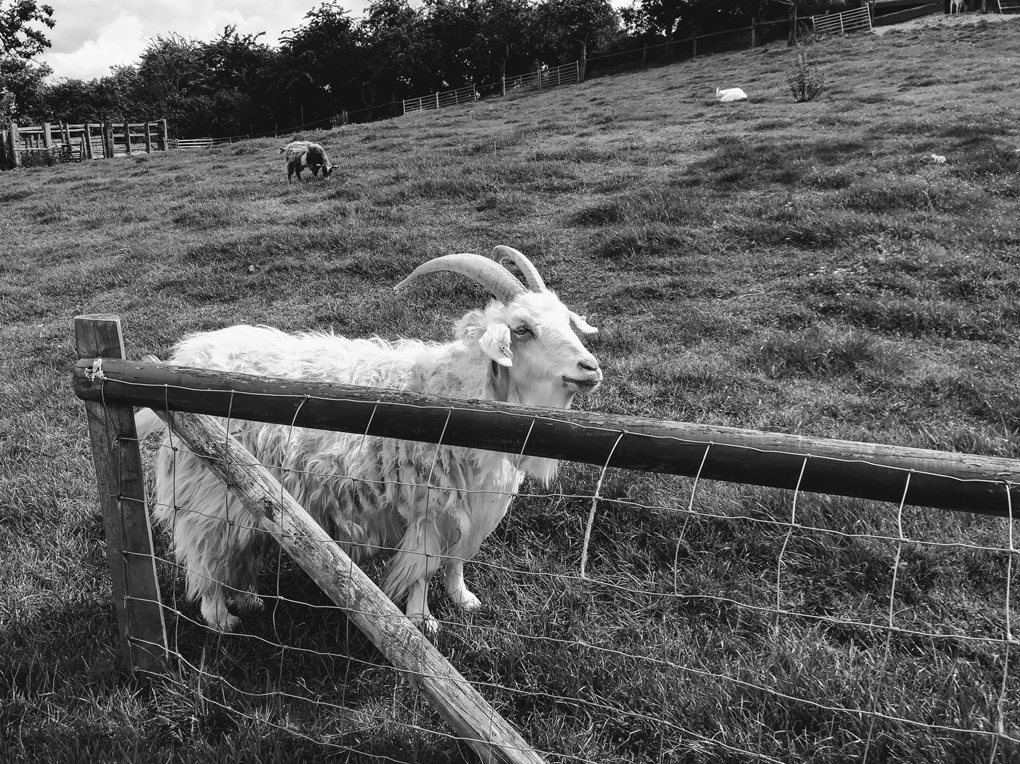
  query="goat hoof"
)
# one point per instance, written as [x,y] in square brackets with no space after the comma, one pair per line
[426,623]
[216,615]
[466,600]
[226,625]
[248,602]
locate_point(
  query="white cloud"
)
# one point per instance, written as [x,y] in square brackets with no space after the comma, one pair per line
[120,42]
[91,36]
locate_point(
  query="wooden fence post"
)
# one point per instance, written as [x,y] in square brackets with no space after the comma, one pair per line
[148,138]
[754,29]
[166,137]
[15,154]
[127,138]
[87,131]
[108,139]
[47,135]
[122,500]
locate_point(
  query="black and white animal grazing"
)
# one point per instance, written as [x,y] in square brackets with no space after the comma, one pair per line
[433,505]
[305,154]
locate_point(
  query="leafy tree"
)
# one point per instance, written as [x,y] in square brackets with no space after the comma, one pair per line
[320,65]
[20,35]
[236,72]
[677,19]
[504,41]
[26,83]
[450,26]
[73,100]
[236,62]
[169,72]
[119,96]
[655,17]
[575,29]
[8,105]
[397,51]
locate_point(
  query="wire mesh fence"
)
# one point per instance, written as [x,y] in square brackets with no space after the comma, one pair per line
[633,616]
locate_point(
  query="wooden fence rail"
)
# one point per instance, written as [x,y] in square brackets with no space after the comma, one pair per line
[49,143]
[818,465]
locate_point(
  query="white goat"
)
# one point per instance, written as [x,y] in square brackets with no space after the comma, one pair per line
[955,6]
[302,154]
[433,505]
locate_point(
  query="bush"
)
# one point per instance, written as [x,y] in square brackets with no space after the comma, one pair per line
[805,81]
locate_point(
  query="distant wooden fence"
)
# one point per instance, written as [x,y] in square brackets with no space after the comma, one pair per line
[204,143]
[48,143]
[847,22]
[543,77]
[546,77]
[441,100]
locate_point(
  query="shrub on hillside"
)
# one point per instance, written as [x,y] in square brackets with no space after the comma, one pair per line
[805,80]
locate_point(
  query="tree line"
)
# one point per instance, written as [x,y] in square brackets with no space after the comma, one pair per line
[334,65]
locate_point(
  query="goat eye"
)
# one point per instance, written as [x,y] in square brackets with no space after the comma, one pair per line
[523,331]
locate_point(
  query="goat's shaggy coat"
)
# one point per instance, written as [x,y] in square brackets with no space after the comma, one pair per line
[433,505]
[305,154]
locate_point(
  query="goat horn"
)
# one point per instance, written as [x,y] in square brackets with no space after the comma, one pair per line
[528,268]
[503,285]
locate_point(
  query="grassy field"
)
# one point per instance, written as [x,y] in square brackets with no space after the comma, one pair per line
[795,267]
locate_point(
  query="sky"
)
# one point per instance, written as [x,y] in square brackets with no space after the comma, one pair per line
[91,36]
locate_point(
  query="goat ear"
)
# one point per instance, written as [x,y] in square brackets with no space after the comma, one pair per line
[582,325]
[495,343]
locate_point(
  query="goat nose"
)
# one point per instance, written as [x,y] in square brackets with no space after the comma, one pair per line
[591,365]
